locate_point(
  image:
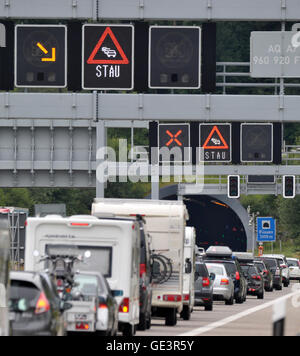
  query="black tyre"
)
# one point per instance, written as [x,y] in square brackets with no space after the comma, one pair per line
[209,307]
[186,313]
[171,317]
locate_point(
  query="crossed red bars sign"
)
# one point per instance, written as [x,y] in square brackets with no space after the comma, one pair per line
[174,138]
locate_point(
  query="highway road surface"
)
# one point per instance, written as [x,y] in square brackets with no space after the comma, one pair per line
[253,318]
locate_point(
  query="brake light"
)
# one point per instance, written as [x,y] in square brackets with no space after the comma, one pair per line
[42,305]
[80,224]
[59,283]
[283,266]
[257,278]
[266,271]
[237,276]
[205,282]
[186,297]
[82,326]
[224,282]
[102,306]
[124,306]
[172,298]
[142,270]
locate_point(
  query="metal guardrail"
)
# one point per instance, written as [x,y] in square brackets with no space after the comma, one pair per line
[237,75]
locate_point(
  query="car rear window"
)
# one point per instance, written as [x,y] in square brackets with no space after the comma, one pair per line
[230,268]
[87,285]
[217,270]
[23,290]
[292,263]
[250,270]
[201,270]
[260,266]
[270,262]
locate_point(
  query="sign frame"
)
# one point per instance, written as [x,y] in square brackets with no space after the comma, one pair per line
[272,140]
[200,58]
[203,149]
[83,59]
[158,143]
[65,58]
[258,234]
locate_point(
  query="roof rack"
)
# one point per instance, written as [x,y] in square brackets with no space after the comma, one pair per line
[219,251]
[244,256]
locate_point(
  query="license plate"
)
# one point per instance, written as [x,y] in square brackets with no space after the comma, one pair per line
[80,317]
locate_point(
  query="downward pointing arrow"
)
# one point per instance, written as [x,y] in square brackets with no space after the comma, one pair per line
[43,49]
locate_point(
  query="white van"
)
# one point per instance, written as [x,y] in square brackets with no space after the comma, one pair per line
[189,273]
[166,222]
[115,251]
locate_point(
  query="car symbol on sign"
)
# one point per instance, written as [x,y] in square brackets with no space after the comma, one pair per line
[215,141]
[109,52]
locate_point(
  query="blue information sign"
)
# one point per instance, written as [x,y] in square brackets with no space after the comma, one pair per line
[266,229]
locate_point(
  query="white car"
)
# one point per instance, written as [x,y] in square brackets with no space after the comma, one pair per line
[294,267]
[223,287]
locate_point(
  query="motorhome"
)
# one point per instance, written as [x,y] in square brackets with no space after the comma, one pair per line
[189,273]
[165,222]
[4,275]
[115,251]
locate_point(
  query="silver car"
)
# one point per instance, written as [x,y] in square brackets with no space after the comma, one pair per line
[223,287]
[284,267]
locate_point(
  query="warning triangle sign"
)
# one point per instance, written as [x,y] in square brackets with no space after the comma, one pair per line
[108,52]
[214,143]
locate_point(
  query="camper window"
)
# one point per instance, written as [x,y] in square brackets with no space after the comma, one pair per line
[100,260]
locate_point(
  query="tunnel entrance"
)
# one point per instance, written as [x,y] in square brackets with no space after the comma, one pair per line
[216,223]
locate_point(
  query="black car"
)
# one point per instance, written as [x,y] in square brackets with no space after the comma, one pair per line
[266,273]
[203,287]
[223,254]
[274,266]
[145,278]
[256,285]
[35,307]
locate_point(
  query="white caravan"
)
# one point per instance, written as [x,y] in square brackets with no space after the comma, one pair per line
[115,252]
[189,273]
[4,275]
[165,222]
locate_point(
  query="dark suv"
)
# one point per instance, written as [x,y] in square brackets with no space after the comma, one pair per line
[35,307]
[256,285]
[274,266]
[222,254]
[266,274]
[203,287]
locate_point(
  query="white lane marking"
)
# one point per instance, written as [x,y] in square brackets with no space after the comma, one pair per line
[220,323]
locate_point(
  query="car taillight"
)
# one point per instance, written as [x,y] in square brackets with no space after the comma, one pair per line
[172,298]
[205,282]
[237,276]
[266,271]
[186,297]
[102,306]
[42,305]
[298,264]
[142,270]
[124,306]
[82,326]
[256,278]
[224,282]
[283,266]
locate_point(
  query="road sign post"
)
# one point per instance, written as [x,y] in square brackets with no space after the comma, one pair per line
[174,57]
[41,56]
[108,57]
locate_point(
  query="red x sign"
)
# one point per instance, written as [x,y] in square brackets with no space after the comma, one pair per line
[174,138]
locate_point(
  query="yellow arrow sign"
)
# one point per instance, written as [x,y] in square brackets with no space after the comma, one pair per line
[43,49]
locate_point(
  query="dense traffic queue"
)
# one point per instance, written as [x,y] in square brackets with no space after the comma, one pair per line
[110,273]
